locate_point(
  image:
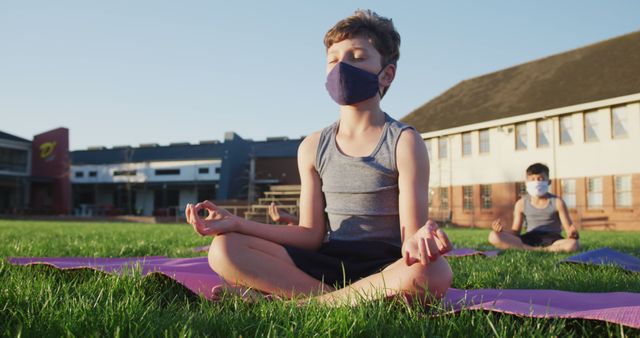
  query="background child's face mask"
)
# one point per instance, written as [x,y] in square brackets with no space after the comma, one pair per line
[537,188]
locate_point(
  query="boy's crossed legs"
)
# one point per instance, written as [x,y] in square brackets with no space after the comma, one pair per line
[505,240]
[253,262]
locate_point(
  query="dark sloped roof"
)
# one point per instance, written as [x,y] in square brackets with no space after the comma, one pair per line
[283,148]
[165,153]
[607,69]
[5,136]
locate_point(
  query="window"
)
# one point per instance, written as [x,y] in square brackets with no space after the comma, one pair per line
[569,192]
[566,129]
[93,173]
[594,192]
[79,174]
[521,189]
[591,127]
[161,172]
[217,170]
[618,122]
[543,130]
[466,144]
[164,198]
[13,160]
[467,197]
[521,136]
[484,141]
[203,170]
[207,193]
[485,195]
[124,173]
[442,147]
[427,144]
[444,198]
[623,191]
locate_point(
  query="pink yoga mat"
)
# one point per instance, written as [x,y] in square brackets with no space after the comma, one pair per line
[195,274]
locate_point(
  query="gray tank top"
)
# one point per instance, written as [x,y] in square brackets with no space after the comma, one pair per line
[547,219]
[361,193]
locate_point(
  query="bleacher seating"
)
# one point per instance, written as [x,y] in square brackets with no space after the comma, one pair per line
[286,197]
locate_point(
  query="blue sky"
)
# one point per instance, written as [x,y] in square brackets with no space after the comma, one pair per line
[131,72]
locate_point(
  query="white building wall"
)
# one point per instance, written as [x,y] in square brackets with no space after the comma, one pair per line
[146,172]
[504,163]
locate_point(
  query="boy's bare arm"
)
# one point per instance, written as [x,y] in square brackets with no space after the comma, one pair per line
[310,232]
[518,217]
[311,229]
[565,219]
[422,240]
[412,162]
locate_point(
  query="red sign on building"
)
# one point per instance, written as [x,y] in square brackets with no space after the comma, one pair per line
[50,164]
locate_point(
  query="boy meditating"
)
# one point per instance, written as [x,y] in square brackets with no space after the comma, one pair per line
[543,214]
[373,174]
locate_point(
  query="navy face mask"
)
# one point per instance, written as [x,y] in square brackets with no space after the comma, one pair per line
[348,84]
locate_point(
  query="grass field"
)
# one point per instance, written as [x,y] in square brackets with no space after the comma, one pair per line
[41,301]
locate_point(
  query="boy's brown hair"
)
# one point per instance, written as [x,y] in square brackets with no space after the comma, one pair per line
[379,30]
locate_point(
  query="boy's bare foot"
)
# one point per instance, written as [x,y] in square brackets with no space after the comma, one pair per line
[247,294]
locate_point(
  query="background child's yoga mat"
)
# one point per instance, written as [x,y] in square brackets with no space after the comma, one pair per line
[606,256]
[195,274]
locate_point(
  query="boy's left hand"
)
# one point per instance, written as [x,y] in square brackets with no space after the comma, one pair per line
[426,245]
[572,232]
[217,220]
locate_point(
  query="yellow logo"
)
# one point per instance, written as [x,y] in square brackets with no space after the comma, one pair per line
[47,148]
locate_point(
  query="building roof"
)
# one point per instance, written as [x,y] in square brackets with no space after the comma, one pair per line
[6,136]
[148,154]
[278,148]
[603,70]
[178,152]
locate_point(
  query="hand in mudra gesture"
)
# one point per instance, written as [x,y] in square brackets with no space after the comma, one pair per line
[426,245]
[216,220]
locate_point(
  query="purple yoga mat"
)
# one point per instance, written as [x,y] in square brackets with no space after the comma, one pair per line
[615,307]
[606,256]
[195,274]
[461,252]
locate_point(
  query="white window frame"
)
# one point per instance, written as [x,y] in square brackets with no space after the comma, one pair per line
[521,127]
[624,121]
[590,119]
[482,150]
[594,193]
[568,129]
[569,192]
[622,193]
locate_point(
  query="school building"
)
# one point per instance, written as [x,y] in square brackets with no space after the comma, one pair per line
[43,177]
[578,112]
[34,174]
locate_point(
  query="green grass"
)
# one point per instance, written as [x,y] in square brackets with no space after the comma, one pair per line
[41,301]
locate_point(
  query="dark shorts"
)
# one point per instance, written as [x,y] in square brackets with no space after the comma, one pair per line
[339,263]
[540,238]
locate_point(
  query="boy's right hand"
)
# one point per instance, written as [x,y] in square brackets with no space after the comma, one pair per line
[497,225]
[279,215]
[217,221]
